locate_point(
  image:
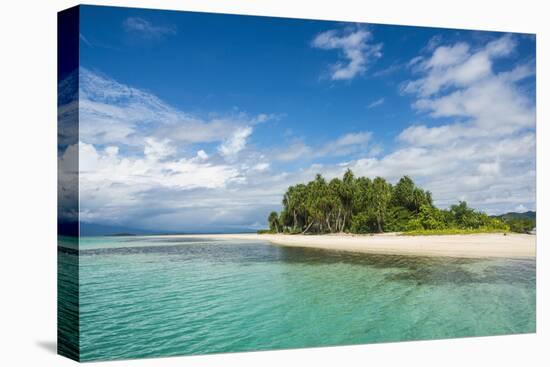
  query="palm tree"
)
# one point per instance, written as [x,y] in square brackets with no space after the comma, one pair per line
[273,220]
[381,195]
[346,197]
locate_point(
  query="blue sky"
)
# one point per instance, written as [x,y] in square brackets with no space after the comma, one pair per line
[205,119]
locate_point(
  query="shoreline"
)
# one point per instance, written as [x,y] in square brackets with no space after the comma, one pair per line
[459,245]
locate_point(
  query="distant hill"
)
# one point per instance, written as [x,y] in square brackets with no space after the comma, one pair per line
[95,229]
[514,215]
[525,222]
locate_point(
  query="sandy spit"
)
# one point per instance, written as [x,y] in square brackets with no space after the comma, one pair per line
[468,246]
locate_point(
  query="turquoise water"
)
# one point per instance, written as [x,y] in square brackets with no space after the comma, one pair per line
[146,297]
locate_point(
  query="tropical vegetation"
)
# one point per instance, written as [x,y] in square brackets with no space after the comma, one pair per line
[520,222]
[363,205]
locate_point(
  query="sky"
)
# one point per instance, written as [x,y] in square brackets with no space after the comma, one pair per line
[197,121]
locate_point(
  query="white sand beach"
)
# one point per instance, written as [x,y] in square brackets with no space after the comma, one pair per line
[471,245]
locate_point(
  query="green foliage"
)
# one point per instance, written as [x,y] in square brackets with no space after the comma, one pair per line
[452,231]
[361,205]
[380,196]
[410,197]
[429,218]
[521,225]
[519,222]
[361,199]
[274,222]
[398,219]
[363,223]
[263,231]
[463,216]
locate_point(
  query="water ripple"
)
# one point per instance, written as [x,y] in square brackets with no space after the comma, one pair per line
[166,297]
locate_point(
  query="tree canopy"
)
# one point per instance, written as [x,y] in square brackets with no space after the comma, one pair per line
[361,205]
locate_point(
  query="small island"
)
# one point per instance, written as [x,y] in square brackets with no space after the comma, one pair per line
[359,205]
[357,214]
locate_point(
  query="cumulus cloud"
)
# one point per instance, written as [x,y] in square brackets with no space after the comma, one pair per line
[67,188]
[456,66]
[356,51]
[155,149]
[135,149]
[108,166]
[201,155]
[478,139]
[145,163]
[463,85]
[487,155]
[235,143]
[111,184]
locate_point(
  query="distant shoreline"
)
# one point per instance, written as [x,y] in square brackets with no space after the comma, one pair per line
[462,245]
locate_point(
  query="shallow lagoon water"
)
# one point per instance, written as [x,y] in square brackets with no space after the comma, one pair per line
[148,297]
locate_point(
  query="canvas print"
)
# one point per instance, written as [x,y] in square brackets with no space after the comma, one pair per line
[233,183]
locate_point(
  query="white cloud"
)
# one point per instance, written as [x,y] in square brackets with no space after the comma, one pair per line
[85,40]
[520,208]
[235,143]
[488,104]
[201,155]
[144,161]
[140,157]
[448,56]
[111,184]
[261,167]
[502,46]
[434,42]
[493,103]
[112,112]
[491,168]
[487,156]
[146,28]
[294,151]
[356,51]
[421,135]
[457,66]
[491,174]
[376,103]
[157,149]
[353,139]
[67,188]
[108,166]
[342,146]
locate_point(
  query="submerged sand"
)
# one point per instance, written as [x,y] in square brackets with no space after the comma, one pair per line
[471,245]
